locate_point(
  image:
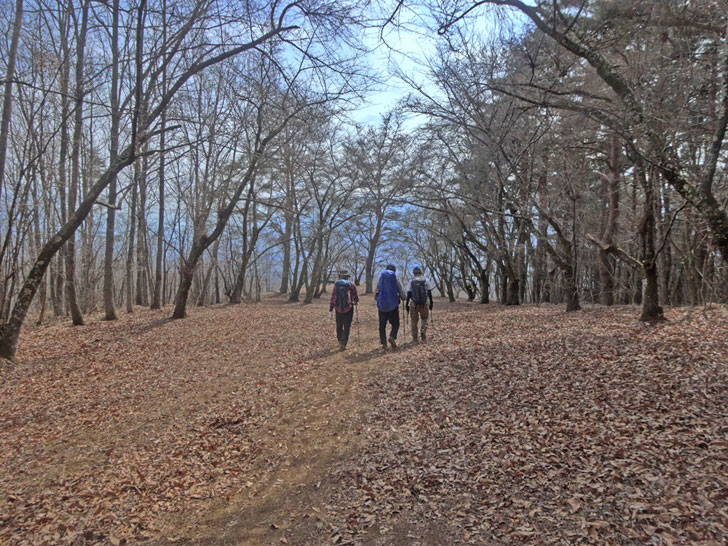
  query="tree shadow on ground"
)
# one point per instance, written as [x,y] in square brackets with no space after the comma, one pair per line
[324,353]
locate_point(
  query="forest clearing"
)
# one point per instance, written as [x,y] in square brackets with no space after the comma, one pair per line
[243,425]
[185,185]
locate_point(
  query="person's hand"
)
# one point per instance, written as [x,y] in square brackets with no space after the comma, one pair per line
[331,314]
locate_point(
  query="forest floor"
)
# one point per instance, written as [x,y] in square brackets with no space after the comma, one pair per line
[244,425]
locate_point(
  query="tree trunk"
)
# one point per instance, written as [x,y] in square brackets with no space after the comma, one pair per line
[450,291]
[57,283]
[142,286]
[132,236]
[316,270]
[484,280]
[186,274]
[236,296]
[76,315]
[109,307]
[371,253]
[8,91]
[512,291]
[572,292]
[651,310]
[288,233]
[606,261]
[158,274]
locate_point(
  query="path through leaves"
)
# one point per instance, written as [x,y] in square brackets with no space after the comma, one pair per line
[241,424]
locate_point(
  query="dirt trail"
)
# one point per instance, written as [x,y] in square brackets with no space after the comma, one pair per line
[243,425]
[317,427]
[218,428]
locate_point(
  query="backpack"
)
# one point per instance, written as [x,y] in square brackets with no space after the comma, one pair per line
[419,293]
[343,295]
[388,296]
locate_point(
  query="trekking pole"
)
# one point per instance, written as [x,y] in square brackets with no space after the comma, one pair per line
[357,322]
[405,324]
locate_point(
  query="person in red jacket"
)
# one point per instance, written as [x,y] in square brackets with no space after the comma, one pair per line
[343,298]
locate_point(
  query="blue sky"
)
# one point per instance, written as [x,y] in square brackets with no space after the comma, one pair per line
[403,48]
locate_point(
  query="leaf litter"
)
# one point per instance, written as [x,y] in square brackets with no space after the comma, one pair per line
[511,425]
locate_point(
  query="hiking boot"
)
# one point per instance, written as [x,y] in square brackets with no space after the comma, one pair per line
[424,337]
[384,347]
[393,343]
[342,346]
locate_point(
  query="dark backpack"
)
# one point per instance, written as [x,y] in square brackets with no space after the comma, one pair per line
[343,295]
[419,293]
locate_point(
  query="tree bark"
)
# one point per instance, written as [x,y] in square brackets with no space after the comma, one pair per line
[109,306]
[8,90]
[484,280]
[606,261]
[131,239]
[76,315]
[159,269]
[371,253]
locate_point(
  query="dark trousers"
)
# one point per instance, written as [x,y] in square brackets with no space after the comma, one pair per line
[343,325]
[393,318]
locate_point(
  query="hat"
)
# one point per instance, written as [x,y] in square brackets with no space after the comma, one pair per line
[391,267]
[416,270]
[343,272]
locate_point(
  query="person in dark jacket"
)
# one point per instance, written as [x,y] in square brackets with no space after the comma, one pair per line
[388,294]
[343,299]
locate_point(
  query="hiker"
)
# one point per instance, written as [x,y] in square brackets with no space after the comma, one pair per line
[343,299]
[388,295]
[419,290]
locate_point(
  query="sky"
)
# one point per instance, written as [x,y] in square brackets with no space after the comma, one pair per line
[398,48]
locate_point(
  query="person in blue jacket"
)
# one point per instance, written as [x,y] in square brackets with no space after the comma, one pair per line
[388,294]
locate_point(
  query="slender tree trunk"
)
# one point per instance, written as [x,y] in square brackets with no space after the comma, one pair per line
[8,89]
[512,290]
[666,257]
[651,310]
[76,315]
[606,261]
[142,292]
[109,307]
[288,233]
[204,289]
[371,253]
[57,283]
[131,239]
[43,295]
[237,294]
[316,271]
[159,269]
